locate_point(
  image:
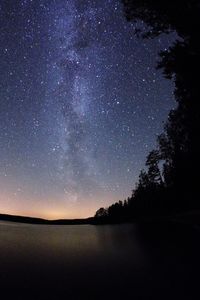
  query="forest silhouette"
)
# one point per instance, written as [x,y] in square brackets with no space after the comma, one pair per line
[169,182]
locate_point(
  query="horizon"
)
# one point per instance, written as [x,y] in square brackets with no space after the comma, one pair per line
[42,218]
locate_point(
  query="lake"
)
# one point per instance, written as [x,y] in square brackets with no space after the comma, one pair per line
[149,261]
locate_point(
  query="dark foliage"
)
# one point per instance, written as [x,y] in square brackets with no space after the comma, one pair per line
[170,181]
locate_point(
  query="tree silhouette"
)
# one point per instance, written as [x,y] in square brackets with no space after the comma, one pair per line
[166,16]
[170,181]
[101,212]
[178,146]
[154,175]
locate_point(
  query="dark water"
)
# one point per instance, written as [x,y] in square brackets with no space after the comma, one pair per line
[99,262]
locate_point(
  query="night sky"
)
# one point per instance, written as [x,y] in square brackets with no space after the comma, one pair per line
[81,104]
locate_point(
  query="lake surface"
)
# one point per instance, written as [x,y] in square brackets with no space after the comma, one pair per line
[99,262]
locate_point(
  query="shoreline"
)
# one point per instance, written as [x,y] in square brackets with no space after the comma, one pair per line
[191,218]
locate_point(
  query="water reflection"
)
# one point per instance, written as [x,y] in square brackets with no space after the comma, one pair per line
[107,262]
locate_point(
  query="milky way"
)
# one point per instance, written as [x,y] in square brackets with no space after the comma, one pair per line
[81,105]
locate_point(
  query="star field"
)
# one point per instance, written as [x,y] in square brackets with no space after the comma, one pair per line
[81,104]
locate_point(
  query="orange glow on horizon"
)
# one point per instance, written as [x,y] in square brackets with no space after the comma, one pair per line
[50,209]
[50,214]
[46,215]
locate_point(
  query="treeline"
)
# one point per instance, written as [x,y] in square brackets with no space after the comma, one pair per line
[170,180]
[153,195]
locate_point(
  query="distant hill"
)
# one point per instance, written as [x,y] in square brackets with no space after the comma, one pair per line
[30,220]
